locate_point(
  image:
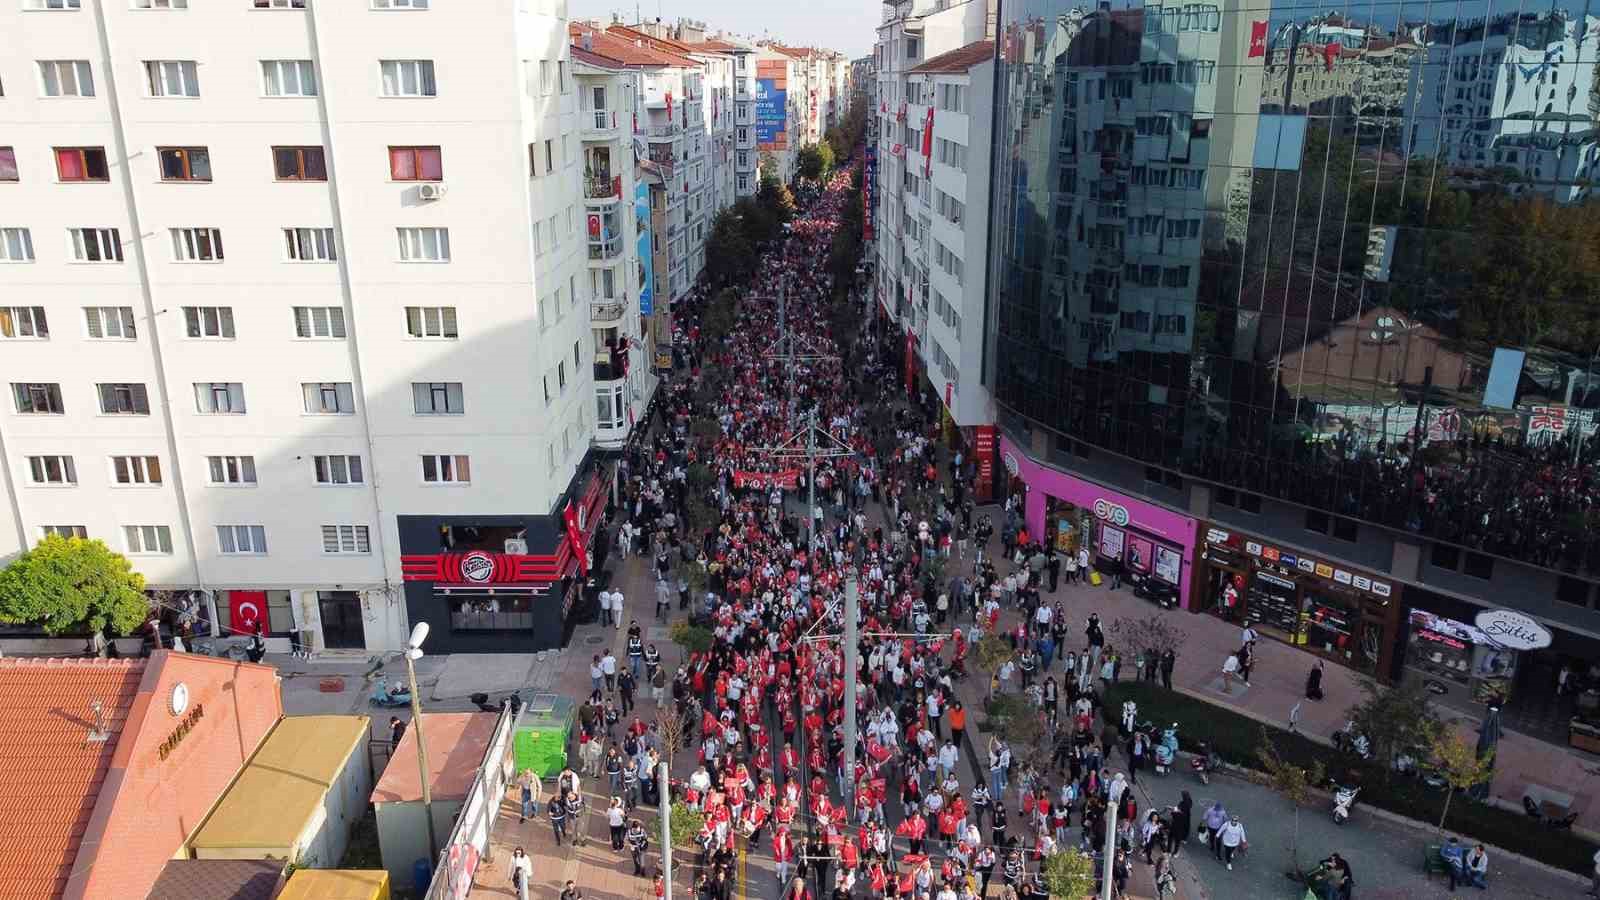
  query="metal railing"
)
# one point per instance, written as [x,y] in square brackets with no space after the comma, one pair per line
[601,187]
[606,310]
[670,129]
[602,119]
[605,249]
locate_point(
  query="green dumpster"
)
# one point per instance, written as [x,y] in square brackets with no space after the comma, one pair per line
[540,742]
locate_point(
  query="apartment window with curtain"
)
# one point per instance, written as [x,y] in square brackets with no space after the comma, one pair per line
[123,399]
[242,539]
[171,78]
[446,468]
[109,323]
[345,539]
[24,322]
[136,470]
[438,398]
[52,470]
[148,539]
[219,398]
[416,164]
[82,164]
[437,322]
[208,322]
[337,469]
[310,245]
[65,78]
[231,470]
[184,163]
[299,164]
[322,322]
[408,78]
[196,244]
[424,244]
[95,245]
[329,397]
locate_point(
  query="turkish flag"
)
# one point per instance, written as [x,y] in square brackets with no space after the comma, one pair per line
[1258,39]
[575,538]
[245,610]
[1330,52]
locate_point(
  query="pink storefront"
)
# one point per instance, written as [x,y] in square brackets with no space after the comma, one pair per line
[1118,530]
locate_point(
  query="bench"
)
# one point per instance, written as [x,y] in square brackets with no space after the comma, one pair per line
[1433,861]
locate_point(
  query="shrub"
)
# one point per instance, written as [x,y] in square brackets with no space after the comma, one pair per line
[692,638]
[1236,738]
[684,825]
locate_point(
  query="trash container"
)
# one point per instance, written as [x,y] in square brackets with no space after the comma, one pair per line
[421,876]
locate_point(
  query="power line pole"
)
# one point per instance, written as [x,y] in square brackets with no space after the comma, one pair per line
[811,450]
[852,605]
[663,780]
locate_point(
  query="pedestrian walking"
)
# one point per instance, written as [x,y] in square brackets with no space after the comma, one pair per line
[558,818]
[1232,838]
[638,843]
[521,872]
[1230,669]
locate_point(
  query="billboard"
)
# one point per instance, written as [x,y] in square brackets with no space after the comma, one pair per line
[647,276]
[869,179]
[772,101]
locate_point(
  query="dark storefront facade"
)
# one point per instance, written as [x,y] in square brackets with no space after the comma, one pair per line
[503,584]
[1342,615]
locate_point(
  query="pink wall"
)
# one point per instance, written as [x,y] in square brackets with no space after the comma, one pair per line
[1156,521]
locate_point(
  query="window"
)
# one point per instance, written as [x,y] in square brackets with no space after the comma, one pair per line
[1345,529]
[217,398]
[208,321]
[196,245]
[415,164]
[1443,556]
[561,375]
[171,78]
[319,322]
[310,244]
[51,470]
[1478,566]
[66,531]
[337,469]
[424,244]
[123,399]
[102,245]
[280,4]
[577,355]
[82,164]
[148,538]
[23,322]
[231,469]
[160,4]
[66,78]
[431,322]
[242,539]
[16,245]
[109,323]
[408,78]
[185,163]
[345,539]
[328,397]
[399,4]
[446,469]
[299,164]
[437,398]
[136,469]
[288,77]
[8,164]
[53,4]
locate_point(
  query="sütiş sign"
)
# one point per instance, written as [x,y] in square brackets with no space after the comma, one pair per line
[1512,630]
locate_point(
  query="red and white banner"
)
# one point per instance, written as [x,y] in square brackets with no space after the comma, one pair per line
[569,515]
[788,479]
[1258,39]
[245,609]
[927,145]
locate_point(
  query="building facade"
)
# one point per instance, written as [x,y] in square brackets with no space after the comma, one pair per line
[284,331]
[1268,270]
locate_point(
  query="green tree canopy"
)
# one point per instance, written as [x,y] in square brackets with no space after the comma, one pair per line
[67,585]
[809,164]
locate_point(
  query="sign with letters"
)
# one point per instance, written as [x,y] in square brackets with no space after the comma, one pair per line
[1513,630]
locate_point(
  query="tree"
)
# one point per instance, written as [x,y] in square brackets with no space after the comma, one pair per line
[1394,720]
[808,164]
[672,725]
[991,653]
[1152,635]
[684,826]
[1291,782]
[1069,875]
[730,251]
[68,585]
[692,638]
[1460,765]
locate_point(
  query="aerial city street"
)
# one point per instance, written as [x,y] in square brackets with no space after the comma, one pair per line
[925,450]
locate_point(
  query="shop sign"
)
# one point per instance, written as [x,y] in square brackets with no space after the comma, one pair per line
[1116,513]
[1306,565]
[1324,570]
[1270,554]
[1287,560]
[1011,465]
[1342,576]
[1253,548]
[1273,579]
[1381,589]
[1363,583]
[1513,630]
[1217,536]
[479,568]
[182,731]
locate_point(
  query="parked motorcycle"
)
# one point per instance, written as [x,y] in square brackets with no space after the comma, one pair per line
[481,700]
[384,695]
[1167,750]
[1201,762]
[1343,798]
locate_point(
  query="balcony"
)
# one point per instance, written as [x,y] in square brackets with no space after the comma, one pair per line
[602,188]
[598,124]
[601,250]
[666,130]
[606,311]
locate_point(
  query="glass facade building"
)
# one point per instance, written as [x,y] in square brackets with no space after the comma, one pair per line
[1350,262]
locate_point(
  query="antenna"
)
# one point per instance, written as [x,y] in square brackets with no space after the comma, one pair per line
[100,733]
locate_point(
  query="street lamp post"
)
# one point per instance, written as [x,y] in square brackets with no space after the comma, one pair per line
[412,654]
[1116,788]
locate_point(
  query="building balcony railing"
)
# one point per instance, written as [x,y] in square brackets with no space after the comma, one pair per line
[605,371]
[601,311]
[610,249]
[670,129]
[599,120]
[602,187]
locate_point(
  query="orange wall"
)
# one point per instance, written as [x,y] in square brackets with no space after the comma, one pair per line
[149,806]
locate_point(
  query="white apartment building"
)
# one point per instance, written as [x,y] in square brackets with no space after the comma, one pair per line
[946,201]
[617,224]
[912,32]
[297,308]
[746,158]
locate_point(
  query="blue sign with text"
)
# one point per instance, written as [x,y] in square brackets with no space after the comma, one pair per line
[771,112]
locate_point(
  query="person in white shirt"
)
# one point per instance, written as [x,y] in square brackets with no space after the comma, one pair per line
[948,757]
[1230,671]
[596,674]
[608,668]
[616,609]
[1249,635]
[521,873]
[1232,838]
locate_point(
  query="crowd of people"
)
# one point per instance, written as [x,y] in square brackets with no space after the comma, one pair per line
[916,816]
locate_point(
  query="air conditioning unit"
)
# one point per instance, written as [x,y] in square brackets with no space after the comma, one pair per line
[516,547]
[432,190]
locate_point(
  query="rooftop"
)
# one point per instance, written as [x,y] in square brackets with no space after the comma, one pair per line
[633,50]
[50,770]
[218,879]
[960,59]
[456,745]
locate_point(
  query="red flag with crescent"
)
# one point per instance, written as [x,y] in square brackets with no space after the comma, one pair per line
[575,537]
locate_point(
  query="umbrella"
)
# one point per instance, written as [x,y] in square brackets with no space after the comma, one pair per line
[1488,739]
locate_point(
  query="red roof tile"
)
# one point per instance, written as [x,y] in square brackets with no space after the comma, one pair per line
[456,745]
[50,772]
[958,60]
